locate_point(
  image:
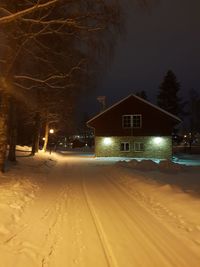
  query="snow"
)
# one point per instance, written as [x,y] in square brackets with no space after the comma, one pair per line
[162,165]
[23,148]
[71,209]
[188,159]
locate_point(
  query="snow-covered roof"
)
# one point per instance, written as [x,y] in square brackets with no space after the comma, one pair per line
[139,98]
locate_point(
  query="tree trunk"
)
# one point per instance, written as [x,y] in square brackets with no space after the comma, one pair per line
[4,111]
[36,134]
[46,136]
[12,131]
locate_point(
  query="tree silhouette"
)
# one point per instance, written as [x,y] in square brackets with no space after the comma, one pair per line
[168,98]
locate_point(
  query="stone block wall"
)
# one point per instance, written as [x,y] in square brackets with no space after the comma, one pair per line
[162,150]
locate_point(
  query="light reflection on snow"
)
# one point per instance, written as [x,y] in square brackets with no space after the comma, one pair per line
[75,155]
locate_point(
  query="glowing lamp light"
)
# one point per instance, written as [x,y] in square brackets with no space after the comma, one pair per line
[43,138]
[158,140]
[51,131]
[107,141]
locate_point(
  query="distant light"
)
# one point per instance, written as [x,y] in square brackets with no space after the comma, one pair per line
[158,140]
[185,136]
[51,131]
[43,138]
[107,141]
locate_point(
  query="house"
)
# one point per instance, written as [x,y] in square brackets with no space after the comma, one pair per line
[133,127]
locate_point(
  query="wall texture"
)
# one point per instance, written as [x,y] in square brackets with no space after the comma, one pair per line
[162,150]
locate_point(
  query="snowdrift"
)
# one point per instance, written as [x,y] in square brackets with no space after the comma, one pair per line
[162,166]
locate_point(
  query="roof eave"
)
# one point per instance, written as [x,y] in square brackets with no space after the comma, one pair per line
[141,99]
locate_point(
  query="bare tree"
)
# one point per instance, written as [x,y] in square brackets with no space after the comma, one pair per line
[49,44]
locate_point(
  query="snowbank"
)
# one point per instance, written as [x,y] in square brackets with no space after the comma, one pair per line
[16,193]
[23,148]
[162,166]
[19,187]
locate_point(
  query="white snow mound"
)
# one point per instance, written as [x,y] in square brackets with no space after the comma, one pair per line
[151,165]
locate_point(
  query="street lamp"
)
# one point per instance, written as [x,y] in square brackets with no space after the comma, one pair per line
[51,131]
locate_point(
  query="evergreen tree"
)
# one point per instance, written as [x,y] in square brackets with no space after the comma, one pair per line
[168,98]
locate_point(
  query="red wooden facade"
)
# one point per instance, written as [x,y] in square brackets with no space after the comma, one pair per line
[155,121]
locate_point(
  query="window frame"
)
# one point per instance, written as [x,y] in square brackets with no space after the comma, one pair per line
[140,150]
[131,120]
[129,146]
[137,115]
[127,115]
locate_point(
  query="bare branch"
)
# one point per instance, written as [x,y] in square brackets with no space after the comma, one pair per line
[51,78]
[12,17]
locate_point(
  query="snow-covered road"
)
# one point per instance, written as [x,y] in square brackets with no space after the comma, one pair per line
[82,216]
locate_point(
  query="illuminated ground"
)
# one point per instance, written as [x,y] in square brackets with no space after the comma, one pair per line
[77,211]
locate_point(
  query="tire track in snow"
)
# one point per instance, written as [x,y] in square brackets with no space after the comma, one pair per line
[171,255]
[52,242]
[110,258]
[187,229]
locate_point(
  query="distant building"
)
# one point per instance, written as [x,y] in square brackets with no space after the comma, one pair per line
[133,127]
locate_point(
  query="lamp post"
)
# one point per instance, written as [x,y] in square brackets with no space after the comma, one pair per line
[51,131]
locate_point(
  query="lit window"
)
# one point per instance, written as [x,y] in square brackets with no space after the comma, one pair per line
[125,146]
[132,121]
[138,146]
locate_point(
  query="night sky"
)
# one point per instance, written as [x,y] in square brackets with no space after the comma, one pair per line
[165,37]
